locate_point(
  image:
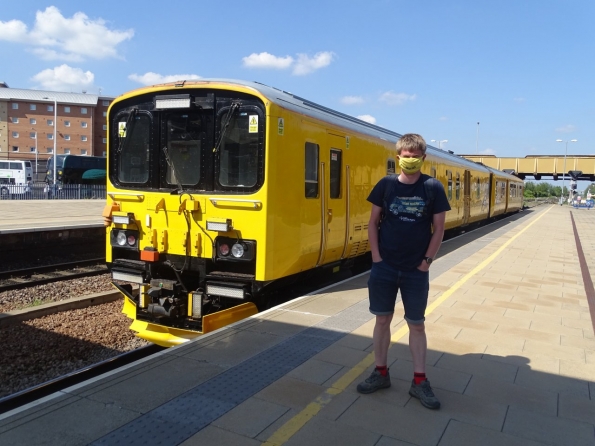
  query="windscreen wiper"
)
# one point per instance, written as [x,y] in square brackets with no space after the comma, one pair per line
[127,129]
[235,106]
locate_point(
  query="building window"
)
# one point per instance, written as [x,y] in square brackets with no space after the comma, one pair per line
[105,140]
[104,114]
[15,106]
[50,108]
[32,107]
[67,151]
[83,138]
[104,153]
[84,124]
[32,149]
[105,103]
[15,148]
[83,151]
[83,110]
[50,136]
[15,134]
[49,150]
[15,120]
[66,109]
[32,135]
[32,121]
[67,137]
[104,126]
[67,123]
[50,122]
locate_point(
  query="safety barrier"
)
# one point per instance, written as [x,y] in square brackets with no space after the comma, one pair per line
[43,191]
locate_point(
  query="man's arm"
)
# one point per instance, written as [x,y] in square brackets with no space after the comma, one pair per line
[436,240]
[373,232]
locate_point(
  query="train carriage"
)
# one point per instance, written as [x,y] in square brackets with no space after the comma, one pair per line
[218,190]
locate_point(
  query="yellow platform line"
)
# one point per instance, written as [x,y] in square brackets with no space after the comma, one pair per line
[291,427]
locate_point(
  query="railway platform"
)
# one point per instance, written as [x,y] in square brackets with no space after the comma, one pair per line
[511,357]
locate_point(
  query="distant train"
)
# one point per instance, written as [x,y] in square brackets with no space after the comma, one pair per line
[219,190]
[74,169]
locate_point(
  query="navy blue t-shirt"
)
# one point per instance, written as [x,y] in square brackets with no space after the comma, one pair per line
[405,230]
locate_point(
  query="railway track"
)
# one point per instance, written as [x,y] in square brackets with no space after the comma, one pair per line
[39,275]
[39,391]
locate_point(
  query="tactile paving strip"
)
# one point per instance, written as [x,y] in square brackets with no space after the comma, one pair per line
[182,417]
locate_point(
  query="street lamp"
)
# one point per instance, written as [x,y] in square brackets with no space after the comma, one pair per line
[36,155]
[564,172]
[439,142]
[55,126]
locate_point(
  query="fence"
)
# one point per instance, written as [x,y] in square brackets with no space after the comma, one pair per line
[43,191]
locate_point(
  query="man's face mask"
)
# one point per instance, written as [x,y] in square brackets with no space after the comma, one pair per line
[411,165]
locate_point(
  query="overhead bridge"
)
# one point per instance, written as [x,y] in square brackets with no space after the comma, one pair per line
[580,167]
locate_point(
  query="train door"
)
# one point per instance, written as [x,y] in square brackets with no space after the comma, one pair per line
[334,200]
[466,197]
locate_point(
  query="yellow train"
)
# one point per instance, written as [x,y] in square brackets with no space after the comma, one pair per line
[218,189]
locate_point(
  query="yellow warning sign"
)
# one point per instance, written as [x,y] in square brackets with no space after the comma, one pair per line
[122,129]
[280,126]
[347,142]
[253,124]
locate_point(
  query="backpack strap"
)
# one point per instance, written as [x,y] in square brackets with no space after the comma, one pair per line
[429,186]
[388,189]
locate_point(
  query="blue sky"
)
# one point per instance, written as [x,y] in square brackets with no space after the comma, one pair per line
[523,69]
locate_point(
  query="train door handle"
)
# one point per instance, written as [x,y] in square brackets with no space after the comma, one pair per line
[330,214]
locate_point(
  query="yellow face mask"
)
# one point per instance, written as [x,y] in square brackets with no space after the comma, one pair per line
[411,165]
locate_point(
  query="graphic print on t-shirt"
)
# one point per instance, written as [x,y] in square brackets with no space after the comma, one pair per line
[407,207]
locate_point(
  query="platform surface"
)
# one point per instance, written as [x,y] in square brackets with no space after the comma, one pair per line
[511,357]
[41,215]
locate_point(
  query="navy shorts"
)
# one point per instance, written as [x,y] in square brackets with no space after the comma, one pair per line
[384,283]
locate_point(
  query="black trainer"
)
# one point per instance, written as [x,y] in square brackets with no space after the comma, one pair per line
[423,392]
[374,382]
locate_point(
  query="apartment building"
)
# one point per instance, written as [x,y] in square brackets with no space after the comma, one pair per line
[34,123]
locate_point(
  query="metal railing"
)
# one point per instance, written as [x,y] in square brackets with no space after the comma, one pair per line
[43,191]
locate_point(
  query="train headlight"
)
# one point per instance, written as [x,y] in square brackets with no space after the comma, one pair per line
[121,238]
[224,249]
[131,240]
[237,251]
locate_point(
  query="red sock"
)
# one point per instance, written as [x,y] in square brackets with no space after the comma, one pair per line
[382,369]
[418,378]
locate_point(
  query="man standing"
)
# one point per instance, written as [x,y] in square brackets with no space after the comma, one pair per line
[405,232]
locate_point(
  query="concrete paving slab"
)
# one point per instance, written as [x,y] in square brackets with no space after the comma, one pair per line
[212,435]
[459,433]
[315,371]
[320,432]
[290,392]
[478,365]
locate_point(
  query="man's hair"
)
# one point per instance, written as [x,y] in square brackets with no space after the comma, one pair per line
[412,142]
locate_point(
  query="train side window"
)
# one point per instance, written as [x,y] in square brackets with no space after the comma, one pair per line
[449,177]
[335,183]
[433,172]
[458,187]
[311,170]
[390,166]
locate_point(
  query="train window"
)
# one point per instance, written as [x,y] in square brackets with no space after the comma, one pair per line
[433,172]
[478,189]
[311,170]
[335,180]
[390,166]
[449,189]
[133,132]
[238,151]
[458,187]
[183,139]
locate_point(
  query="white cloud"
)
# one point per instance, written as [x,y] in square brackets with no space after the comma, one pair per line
[566,129]
[55,37]
[65,78]
[306,65]
[443,118]
[352,100]
[368,118]
[518,99]
[151,78]
[392,98]
[487,152]
[266,60]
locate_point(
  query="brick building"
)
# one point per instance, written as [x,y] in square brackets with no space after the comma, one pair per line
[27,124]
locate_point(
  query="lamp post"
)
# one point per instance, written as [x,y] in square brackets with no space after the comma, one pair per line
[55,136]
[439,141]
[35,155]
[477,141]
[564,172]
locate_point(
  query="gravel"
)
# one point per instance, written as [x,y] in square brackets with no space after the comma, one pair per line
[42,349]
